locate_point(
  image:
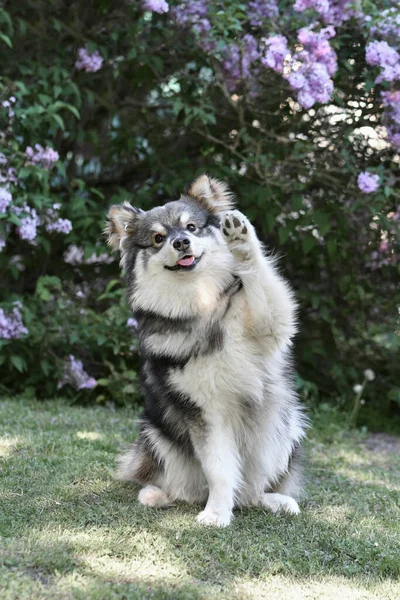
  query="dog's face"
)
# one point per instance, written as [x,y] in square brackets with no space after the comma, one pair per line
[173,245]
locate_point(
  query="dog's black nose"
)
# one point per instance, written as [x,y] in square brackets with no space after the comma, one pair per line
[181,243]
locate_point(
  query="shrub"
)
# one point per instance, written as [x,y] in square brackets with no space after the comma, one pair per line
[297,104]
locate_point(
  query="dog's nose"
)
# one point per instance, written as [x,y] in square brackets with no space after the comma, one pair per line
[181,243]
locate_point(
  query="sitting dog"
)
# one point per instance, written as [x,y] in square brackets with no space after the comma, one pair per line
[222,423]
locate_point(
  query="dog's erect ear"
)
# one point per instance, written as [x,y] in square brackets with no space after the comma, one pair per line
[122,222]
[212,194]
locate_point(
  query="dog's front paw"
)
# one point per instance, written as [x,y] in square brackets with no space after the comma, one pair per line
[238,234]
[217,518]
[235,226]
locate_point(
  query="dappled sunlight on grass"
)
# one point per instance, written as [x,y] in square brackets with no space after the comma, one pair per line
[89,435]
[9,445]
[73,532]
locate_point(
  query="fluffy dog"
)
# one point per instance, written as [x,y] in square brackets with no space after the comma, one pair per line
[222,423]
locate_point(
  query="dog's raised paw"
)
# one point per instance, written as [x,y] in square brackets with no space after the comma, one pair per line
[235,226]
[214,518]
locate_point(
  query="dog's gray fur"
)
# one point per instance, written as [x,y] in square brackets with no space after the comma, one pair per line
[222,422]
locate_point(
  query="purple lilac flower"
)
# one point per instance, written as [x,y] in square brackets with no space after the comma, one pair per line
[59,226]
[391,103]
[3,159]
[45,157]
[311,67]
[75,375]
[30,221]
[276,52]
[238,61]
[380,54]
[368,182]
[158,6]
[193,14]
[5,199]
[11,325]
[89,62]
[388,26]
[334,12]
[131,322]
[261,10]
[314,63]
[2,243]
[75,256]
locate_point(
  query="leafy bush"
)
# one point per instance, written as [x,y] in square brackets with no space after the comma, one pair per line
[297,104]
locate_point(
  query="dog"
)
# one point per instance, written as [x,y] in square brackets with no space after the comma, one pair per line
[222,424]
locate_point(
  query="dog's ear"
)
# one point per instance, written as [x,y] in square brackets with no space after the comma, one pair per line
[123,220]
[212,194]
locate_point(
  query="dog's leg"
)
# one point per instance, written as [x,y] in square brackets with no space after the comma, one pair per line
[219,459]
[269,298]
[153,496]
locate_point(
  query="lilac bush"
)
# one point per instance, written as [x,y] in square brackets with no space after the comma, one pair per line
[295,103]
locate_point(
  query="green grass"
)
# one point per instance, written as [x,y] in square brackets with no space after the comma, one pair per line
[68,530]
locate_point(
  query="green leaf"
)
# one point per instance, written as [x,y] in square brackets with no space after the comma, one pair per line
[58,120]
[308,243]
[18,362]
[6,40]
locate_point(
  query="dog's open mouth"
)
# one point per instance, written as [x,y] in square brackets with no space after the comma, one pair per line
[186,263]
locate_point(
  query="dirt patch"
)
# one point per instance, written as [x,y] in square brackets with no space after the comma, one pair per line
[383,442]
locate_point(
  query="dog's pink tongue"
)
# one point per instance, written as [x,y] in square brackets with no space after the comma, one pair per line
[186,261]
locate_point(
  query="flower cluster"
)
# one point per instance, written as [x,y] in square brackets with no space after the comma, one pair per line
[388,26]
[59,226]
[44,157]
[75,256]
[88,61]
[54,224]
[276,51]
[11,325]
[75,375]
[332,12]
[380,54]
[193,14]
[131,322]
[158,6]
[5,199]
[238,61]
[30,221]
[385,54]
[391,103]
[309,69]
[8,104]
[261,10]
[368,182]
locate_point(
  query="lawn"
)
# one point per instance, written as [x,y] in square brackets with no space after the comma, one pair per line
[68,530]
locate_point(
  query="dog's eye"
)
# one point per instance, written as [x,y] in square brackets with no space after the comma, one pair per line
[158,238]
[191,227]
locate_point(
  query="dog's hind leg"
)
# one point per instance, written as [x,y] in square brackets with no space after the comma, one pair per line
[153,496]
[279,503]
